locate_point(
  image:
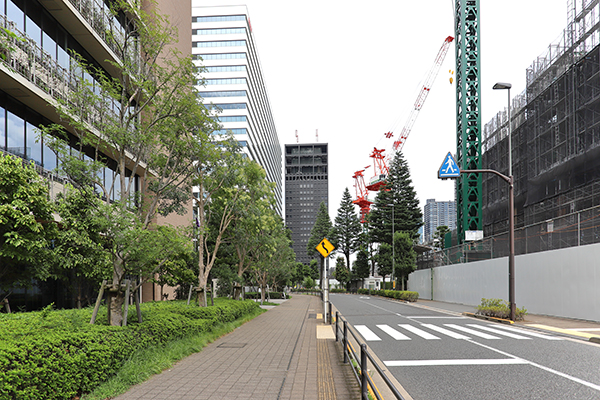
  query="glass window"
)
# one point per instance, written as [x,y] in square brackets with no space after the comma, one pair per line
[49,45]
[33,30]
[49,158]
[15,135]
[2,126]
[34,147]
[16,15]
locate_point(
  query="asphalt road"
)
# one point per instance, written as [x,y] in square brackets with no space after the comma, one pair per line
[437,356]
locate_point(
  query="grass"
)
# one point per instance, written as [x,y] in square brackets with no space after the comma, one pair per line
[143,364]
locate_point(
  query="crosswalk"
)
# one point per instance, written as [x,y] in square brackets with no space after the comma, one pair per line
[454,331]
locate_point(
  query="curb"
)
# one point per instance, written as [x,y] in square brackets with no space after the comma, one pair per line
[493,319]
[595,339]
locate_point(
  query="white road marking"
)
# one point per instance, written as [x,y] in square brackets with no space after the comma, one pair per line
[530,333]
[366,333]
[471,331]
[436,317]
[419,332]
[474,361]
[393,333]
[446,331]
[499,332]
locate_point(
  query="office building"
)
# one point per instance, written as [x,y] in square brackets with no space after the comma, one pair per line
[438,213]
[306,186]
[232,83]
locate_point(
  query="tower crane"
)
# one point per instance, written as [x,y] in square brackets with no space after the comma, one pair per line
[361,194]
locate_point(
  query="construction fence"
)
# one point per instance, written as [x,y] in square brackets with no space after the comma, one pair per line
[575,229]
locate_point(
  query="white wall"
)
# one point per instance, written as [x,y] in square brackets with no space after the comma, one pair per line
[562,283]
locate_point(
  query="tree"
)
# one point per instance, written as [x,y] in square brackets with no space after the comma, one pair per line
[147,117]
[27,227]
[384,260]
[360,269]
[439,236]
[321,229]
[347,228]
[342,273]
[405,255]
[406,211]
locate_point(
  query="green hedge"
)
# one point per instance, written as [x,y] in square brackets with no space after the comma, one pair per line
[256,295]
[498,308]
[393,294]
[59,355]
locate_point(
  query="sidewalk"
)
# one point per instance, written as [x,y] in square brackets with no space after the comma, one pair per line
[278,355]
[586,330]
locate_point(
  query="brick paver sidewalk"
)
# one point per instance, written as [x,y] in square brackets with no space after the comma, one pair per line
[274,356]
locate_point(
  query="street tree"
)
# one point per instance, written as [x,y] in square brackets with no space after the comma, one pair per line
[347,227]
[405,256]
[342,272]
[383,259]
[439,236]
[27,227]
[321,229]
[147,117]
[360,268]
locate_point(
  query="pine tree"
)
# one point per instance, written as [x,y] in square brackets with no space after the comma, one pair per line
[360,269]
[398,191]
[321,229]
[347,229]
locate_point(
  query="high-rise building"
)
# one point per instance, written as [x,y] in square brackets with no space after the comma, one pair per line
[223,43]
[306,186]
[438,213]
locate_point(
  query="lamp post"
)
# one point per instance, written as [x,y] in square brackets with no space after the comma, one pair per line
[393,249]
[511,212]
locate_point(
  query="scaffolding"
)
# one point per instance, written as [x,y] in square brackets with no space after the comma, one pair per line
[555,131]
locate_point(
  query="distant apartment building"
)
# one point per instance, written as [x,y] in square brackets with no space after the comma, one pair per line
[306,186]
[438,213]
[223,43]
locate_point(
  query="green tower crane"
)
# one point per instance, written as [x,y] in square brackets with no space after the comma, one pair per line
[468,117]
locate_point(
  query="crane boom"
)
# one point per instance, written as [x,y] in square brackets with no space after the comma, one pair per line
[431,75]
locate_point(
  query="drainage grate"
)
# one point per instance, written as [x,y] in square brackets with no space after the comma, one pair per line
[232,345]
[312,316]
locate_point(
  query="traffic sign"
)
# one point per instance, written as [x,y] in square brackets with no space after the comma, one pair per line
[325,247]
[449,168]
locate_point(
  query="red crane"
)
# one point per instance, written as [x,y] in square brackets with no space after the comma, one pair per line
[361,194]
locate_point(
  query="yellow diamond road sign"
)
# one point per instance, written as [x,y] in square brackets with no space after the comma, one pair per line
[325,248]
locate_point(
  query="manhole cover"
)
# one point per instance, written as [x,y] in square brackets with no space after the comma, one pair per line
[231,345]
[312,315]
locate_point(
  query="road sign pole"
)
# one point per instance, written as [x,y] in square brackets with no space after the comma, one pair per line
[326,292]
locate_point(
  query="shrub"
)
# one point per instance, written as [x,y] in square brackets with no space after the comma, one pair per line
[256,295]
[498,308]
[59,355]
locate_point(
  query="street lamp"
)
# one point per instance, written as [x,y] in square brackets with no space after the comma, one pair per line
[393,249]
[511,212]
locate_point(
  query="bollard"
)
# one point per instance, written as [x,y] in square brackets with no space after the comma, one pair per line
[336,325]
[363,372]
[330,321]
[345,343]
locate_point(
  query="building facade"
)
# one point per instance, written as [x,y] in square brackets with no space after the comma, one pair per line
[438,213]
[232,83]
[37,69]
[306,186]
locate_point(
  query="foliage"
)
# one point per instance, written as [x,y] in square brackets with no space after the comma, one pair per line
[342,272]
[406,210]
[439,236]
[309,283]
[271,295]
[393,294]
[360,269]
[498,308]
[347,229]
[58,355]
[384,260]
[26,224]
[405,255]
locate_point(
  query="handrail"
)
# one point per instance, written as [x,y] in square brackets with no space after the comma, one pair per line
[361,374]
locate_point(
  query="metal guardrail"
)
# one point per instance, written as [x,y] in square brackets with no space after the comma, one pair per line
[361,361]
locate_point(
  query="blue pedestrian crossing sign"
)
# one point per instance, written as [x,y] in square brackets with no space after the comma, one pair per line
[449,168]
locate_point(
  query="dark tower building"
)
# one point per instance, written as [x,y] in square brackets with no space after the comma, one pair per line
[306,186]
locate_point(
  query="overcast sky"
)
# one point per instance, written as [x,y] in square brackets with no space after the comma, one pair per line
[353,70]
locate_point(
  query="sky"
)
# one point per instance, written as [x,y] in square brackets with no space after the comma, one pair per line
[352,70]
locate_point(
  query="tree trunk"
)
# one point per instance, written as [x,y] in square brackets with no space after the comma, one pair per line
[115,299]
[262,294]
[237,291]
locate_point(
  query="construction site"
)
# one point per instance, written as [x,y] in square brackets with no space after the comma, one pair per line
[555,131]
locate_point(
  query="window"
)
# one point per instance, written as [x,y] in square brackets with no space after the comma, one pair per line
[219,18]
[237,131]
[15,136]
[222,31]
[34,149]
[237,118]
[225,93]
[228,81]
[232,106]
[220,43]
[227,68]
[223,56]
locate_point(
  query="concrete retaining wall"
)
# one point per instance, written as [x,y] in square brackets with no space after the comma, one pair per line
[562,283]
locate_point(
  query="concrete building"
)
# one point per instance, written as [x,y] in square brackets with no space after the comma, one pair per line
[306,186]
[438,213]
[38,69]
[222,41]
